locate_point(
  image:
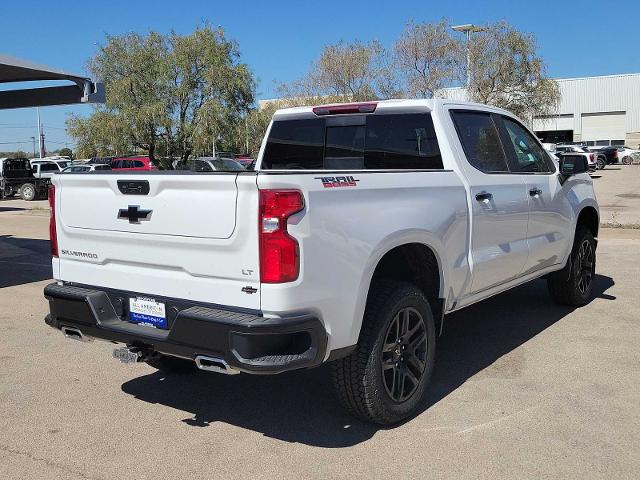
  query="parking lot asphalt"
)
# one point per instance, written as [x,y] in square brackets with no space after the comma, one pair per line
[522,388]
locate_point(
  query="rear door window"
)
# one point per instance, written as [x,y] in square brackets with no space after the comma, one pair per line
[480,141]
[381,141]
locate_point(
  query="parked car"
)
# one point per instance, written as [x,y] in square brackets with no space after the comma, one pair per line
[45,168]
[625,154]
[132,164]
[16,177]
[594,161]
[213,164]
[375,220]
[84,168]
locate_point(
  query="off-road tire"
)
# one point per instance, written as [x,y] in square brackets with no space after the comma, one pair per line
[627,160]
[565,285]
[28,192]
[169,364]
[601,163]
[359,379]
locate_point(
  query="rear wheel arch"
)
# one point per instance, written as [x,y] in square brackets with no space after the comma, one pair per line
[417,264]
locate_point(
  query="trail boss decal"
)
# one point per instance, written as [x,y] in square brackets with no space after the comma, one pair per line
[333,182]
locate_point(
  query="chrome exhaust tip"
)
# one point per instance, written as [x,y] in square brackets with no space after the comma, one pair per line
[74,334]
[211,364]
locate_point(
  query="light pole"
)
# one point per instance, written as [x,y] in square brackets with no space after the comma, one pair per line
[468,28]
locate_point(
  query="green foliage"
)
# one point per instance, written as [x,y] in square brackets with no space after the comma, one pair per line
[166,94]
[16,154]
[507,72]
[66,152]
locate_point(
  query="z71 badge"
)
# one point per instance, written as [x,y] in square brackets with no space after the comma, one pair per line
[333,182]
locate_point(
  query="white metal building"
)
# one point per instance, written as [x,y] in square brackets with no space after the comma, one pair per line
[594,110]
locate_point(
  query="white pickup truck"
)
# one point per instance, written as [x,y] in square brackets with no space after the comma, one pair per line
[362,226]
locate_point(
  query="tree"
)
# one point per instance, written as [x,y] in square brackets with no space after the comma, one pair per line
[66,152]
[166,94]
[507,72]
[429,58]
[344,72]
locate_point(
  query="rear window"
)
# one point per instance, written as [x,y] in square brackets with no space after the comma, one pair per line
[385,142]
[17,164]
[48,167]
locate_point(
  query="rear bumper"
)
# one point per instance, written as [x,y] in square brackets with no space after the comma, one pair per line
[247,342]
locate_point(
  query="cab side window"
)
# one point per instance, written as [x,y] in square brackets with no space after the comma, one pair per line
[480,141]
[528,154]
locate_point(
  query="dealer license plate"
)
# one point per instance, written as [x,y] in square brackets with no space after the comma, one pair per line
[146,311]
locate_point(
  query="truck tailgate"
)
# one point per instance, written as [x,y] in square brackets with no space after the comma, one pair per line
[192,236]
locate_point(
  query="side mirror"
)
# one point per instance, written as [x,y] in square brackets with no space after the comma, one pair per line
[572,165]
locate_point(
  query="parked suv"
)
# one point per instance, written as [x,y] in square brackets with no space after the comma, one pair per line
[362,226]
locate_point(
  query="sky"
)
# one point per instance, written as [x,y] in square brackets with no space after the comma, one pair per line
[280,39]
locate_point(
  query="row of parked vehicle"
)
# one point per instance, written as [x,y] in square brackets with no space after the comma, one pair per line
[598,157]
[30,178]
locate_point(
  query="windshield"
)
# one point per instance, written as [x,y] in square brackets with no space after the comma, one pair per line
[224,164]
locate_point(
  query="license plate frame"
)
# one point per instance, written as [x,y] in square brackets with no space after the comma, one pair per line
[148,312]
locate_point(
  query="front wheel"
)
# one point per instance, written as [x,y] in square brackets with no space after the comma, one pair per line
[384,380]
[28,192]
[573,284]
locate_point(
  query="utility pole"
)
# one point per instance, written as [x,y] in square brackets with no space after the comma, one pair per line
[40,135]
[468,28]
[33,140]
[213,144]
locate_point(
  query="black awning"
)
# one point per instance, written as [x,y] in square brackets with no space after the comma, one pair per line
[12,70]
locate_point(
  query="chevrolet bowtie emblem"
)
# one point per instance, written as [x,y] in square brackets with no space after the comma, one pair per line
[134,214]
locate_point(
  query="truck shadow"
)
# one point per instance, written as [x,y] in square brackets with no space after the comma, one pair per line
[300,407]
[23,260]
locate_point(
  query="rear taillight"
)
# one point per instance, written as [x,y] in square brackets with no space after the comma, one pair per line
[53,237]
[279,252]
[615,153]
[345,108]
[591,156]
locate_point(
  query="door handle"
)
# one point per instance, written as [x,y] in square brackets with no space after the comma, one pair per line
[481,197]
[534,192]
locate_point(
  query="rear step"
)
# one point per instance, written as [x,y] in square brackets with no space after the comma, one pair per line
[212,364]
